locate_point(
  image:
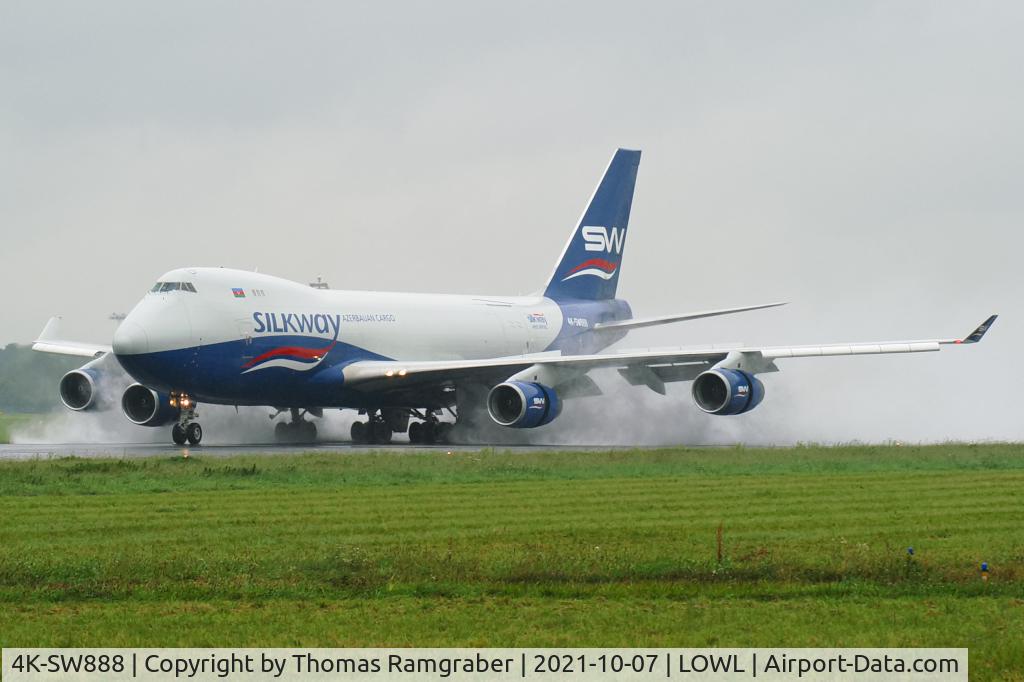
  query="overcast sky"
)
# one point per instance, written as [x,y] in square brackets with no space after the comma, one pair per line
[864,161]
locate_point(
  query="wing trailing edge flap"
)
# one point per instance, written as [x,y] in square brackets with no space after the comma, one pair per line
[655,377]
[580,387]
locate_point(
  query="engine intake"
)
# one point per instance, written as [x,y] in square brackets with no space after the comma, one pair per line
[146,407]
[727,391]
[523,405]
[78,389]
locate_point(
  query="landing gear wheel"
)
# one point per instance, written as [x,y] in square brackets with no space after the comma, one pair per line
[359,432]
[194,433]
[307,431]
[416,433]
[429,432]
[382,432]
[178,434]
[282,432]
[441,432]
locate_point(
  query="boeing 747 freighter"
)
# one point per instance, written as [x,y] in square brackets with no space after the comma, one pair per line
[232,337]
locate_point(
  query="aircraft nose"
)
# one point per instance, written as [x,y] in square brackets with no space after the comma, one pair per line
[130,339]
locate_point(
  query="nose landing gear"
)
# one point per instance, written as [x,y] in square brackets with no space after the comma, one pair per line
[191,434]
[187,430]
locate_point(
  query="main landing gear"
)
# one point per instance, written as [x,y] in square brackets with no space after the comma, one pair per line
[298,430]
[376,430]
[381,425]
[430,431]
[187,430]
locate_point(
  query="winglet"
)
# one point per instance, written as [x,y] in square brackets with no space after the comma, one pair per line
[49,342]
[51,331]
[976,335]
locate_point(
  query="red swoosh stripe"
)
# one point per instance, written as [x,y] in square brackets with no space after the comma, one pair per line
[598,263]
[295,351]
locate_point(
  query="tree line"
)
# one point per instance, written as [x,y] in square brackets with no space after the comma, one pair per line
[28,380]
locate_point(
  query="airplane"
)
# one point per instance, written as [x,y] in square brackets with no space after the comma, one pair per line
[233,337]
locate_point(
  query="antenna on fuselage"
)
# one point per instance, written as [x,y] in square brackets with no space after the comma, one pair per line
[319,283]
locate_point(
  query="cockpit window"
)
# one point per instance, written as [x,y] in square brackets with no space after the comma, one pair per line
[162,287]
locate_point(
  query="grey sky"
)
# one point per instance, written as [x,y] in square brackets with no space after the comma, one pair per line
[862,160]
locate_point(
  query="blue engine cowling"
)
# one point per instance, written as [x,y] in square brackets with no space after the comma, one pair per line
[523,405]
[146,407]
[79,389]
[727,391]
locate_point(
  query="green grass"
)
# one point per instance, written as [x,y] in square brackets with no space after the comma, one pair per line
[540,549]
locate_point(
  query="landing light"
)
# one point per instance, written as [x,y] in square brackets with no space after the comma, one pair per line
[389,373]
[401,372]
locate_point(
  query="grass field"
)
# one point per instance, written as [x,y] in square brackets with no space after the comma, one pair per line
[540,549]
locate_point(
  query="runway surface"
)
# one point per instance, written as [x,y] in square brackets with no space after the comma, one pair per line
[56,450]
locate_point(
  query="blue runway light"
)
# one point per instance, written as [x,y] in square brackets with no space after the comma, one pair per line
[984,567]
[910,551]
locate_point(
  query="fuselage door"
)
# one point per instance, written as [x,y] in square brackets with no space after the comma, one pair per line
[245,333]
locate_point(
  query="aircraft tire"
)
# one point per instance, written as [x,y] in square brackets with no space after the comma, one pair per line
[416,433]
[178,435]
[429,433]
[308,432]
[194,433]
[358,432]
[441,432]
[382,433]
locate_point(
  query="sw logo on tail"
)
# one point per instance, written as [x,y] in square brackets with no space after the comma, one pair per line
[598,238]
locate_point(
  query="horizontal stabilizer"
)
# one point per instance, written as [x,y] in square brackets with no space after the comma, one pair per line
[637,323]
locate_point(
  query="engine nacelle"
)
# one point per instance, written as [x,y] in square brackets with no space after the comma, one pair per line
[79,389]
[727,391]
[523,405]
[146,407]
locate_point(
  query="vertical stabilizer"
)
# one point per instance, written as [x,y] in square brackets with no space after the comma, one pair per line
[590,264]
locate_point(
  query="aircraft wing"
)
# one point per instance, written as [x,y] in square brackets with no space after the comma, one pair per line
[49,341]
[650,367]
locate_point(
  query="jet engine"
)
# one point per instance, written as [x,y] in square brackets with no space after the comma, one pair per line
[523,405]
[79,389]
[727,391]
[146,407]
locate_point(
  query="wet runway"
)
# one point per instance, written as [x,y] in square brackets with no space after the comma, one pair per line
[57,450]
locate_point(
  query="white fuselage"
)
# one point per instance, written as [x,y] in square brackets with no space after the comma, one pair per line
[236,337]
[406,326]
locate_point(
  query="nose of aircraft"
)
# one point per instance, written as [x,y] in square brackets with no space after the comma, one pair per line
[130,339]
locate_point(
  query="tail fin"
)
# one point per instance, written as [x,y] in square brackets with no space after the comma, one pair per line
[590,264]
